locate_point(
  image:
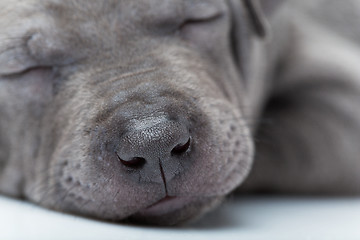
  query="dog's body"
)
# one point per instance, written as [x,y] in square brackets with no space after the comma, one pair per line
[311,122]
[146,109]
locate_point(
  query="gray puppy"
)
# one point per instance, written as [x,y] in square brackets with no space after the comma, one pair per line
[147,110]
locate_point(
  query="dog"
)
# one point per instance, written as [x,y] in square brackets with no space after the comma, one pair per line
[154,111]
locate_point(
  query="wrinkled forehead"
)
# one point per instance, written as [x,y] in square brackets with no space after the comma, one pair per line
[107,19]
[143,11]
[132,8]
[76,30]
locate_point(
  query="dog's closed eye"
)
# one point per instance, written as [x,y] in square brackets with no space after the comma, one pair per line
[202,19]
[27,56]
[201,28]
[14,60]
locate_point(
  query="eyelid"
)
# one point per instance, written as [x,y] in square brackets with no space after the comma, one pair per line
[203,19]
[188,23]
[29,53]
[29,70]
[203,11]
[15,59]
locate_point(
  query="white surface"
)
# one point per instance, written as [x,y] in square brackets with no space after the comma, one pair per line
[245,218]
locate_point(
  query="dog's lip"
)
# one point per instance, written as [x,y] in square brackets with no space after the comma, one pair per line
[166,205]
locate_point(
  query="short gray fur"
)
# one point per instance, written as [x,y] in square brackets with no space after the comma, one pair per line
[107,107]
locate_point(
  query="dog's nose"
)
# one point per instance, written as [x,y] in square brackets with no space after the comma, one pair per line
[151,140]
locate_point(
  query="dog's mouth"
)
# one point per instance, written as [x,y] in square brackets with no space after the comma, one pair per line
[165,205]
[174,210]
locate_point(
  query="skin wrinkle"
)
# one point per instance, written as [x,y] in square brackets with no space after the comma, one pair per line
[138,78]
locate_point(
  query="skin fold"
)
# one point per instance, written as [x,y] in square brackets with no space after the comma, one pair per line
[154,111]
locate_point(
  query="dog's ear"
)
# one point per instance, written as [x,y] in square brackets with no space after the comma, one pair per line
[259,11]
[249,19]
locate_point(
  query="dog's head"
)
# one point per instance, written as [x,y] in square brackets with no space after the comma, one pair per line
[124,109]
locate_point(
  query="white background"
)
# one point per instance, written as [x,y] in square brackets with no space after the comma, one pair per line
[239,218]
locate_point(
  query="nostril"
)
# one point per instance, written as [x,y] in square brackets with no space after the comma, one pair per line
[135,162]
[181,148]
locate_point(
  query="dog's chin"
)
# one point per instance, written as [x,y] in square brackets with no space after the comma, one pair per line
[171,211]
